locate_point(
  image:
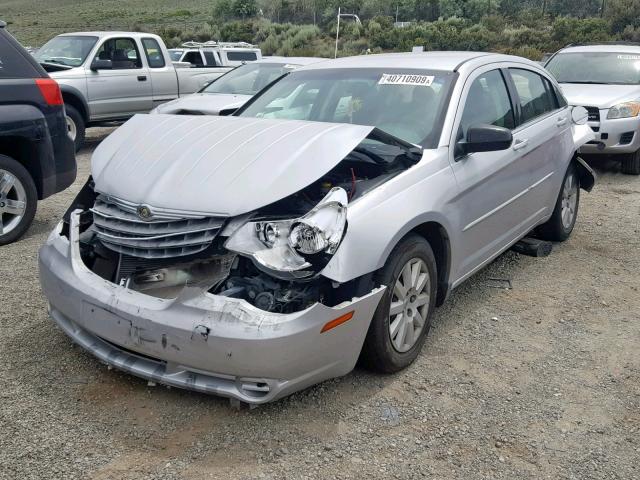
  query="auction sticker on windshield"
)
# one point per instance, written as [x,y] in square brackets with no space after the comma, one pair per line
[404,79]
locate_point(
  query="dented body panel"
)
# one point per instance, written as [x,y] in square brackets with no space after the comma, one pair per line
[199,341]
[213,160]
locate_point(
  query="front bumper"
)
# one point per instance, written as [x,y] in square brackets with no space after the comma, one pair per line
[199,341]
[613,136]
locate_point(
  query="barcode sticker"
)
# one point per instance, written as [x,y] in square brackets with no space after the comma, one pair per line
[406,79]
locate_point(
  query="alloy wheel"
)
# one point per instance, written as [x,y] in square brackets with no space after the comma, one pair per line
[13,202]
[72,129]
[409,305]
[569,201]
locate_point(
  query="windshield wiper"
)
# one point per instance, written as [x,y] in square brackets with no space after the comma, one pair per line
[586,82]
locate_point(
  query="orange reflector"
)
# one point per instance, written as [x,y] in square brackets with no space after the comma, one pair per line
[338,321]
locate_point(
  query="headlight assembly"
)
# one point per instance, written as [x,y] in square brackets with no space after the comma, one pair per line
[295,247]
[624,110]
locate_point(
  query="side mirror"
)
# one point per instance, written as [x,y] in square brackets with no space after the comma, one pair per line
[579,115]
[485,138]
[99,64]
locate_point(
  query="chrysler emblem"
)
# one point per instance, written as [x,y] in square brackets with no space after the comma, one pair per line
[144,212]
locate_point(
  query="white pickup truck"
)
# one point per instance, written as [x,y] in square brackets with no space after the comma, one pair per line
[106,76]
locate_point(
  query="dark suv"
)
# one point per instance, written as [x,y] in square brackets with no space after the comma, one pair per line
[37,157]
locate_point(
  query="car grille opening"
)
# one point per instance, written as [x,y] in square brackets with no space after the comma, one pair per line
[594,114]
[626,138]
[164,235]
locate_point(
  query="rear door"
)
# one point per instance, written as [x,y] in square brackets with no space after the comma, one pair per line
[543,137]
[126,88]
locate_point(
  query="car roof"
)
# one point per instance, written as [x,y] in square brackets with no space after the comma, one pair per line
[602,48]
[109,34]
[290,60]
[447,61]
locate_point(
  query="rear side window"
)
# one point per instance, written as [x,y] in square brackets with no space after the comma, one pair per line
[13,64]
[153,53]
[487,102]
[210,58]
[241,56]
[194,58]
[536,96]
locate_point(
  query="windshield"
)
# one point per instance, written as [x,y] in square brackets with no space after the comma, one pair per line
[596,67]
[406,103]
[248,79]
[175,55]
[66,50]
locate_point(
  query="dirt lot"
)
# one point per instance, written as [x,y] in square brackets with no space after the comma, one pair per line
[539,381]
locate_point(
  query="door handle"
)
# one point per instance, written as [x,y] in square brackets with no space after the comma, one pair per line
[520,144]
[142,78]
[561,121]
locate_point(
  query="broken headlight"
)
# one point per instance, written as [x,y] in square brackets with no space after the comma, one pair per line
[295,246]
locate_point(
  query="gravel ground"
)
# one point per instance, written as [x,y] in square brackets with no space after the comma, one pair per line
[538,381]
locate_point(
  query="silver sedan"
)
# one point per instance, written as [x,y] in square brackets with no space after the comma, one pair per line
[254,255]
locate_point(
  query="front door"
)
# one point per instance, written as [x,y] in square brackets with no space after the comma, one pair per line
[490,202]
[123,90]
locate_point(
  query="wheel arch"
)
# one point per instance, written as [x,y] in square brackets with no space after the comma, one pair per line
[73,97]
[434,231]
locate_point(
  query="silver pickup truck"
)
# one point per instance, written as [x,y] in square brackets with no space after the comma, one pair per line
[107,76]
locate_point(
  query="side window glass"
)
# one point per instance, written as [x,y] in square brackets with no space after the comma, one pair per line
[536,98]
[487,102]
[122,52]
[194,58]
[13,64]
[211,59]
[153,52]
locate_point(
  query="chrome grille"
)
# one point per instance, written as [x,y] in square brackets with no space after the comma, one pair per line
[164,235]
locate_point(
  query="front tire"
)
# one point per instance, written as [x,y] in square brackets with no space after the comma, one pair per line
[402,320]
[559,227]
[75,126]
[18,200]
[631,163]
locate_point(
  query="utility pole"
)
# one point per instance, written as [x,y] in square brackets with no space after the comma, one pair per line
[544,7]
[602,9]
[396,13]
[340,15]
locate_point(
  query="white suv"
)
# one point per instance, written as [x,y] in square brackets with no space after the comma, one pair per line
[605,79]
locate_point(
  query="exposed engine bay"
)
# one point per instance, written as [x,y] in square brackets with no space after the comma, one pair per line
[163,256]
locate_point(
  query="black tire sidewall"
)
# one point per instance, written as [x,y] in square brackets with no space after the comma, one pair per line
[21,173]
[80,126]
[378,351]
[631,163]
[554,229]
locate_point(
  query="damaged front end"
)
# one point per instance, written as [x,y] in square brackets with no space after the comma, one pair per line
[215,302]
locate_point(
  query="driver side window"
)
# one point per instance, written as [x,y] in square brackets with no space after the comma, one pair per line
[122,52]
[487,102]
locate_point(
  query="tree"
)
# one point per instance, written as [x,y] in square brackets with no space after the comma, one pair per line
[245,8]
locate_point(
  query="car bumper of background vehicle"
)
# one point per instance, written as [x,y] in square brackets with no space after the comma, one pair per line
[613,136]
[199,341]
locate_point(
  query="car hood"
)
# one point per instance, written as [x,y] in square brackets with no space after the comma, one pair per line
[601,96]
[217,165]
[207,103]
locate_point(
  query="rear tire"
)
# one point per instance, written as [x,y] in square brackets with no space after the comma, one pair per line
[631,163]
[75,126]
[559,227]
[402,320]
[18,200]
